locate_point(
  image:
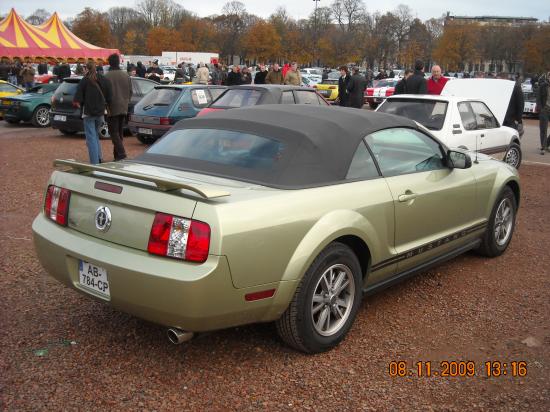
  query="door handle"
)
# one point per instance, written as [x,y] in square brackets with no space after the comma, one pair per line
[482,135]
[408,195]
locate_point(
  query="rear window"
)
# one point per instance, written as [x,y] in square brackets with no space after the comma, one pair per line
[238,98]
[385,83]
[67,88]
[160,97]
[429,113]
[222,147]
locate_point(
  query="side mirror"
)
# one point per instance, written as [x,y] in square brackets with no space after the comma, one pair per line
[458,160]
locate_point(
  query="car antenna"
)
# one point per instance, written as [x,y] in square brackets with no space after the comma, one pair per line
[477,144]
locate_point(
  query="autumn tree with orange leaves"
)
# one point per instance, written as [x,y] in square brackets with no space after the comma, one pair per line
[263,42]
[93,27]
[161,39]
[458,45]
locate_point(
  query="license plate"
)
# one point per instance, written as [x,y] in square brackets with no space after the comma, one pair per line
[94,278]
[6,102]
[143,130]
[60,118]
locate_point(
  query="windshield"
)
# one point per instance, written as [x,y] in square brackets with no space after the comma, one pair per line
[238,98]
[160,97]
[222,147]
[429,113]
[385,83]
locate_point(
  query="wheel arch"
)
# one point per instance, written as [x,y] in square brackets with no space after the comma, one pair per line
[512,184]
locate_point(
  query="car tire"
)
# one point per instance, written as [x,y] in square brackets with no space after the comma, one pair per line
[41,116]
[513,155]
[306,324]
[373,106]
[146,139]
[68,132]
[501,225]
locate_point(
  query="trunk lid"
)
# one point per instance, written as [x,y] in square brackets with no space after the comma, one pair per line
[133,194]
[63,97]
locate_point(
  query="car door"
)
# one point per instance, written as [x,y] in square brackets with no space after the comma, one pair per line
[467,134]
[492,138]
[434,204]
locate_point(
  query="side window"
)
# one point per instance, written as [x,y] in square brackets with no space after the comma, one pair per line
[146,86]
[200,97]
[402,151]
[484,117]
[287,98]
[467,116]
[306,97]
[362,165]
[136,91]
[216,93]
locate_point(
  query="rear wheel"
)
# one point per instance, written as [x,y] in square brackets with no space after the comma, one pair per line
[325,303]
[68,132]
[146,139]
[41,116]
[513,155]
[501,225]
[104,131]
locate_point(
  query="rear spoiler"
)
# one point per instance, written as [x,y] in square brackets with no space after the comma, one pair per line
[163,184]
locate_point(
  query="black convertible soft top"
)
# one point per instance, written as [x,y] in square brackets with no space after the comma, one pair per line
[320,141]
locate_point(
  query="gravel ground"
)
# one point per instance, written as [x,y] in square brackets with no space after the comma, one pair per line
[62,351]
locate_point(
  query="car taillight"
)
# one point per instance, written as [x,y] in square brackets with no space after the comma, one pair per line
[370,92]
[179,238]
[389,92]
[314,86]
[164,120]
[56,206]
[332,87]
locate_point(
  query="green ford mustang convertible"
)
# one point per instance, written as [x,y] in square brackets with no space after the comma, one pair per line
[271,213]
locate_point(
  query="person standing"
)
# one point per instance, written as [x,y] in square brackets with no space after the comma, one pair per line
[293,76]
[401,86]
[343,84]
[93,94]
[42,68]
[121,89]
[27,74]
[140,69]
[260,76]
[543,102]
[234,77]
[64,71]
[356,89]
[154,72]
[191,72]
[246,76]
[79,70]
[202,74]
[437,82]
[416,84]
[216,78]
[275,76]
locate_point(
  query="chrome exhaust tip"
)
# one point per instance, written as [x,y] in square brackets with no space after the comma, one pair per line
[178,336]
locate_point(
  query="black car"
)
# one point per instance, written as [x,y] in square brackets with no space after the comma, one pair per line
[66,117]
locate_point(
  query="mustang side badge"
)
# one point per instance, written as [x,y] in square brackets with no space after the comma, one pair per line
[103,218]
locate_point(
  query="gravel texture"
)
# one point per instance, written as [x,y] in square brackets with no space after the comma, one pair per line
[63,351]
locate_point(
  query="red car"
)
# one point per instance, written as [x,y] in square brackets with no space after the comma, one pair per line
[377,94]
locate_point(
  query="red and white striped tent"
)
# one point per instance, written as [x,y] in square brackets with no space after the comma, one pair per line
[49,41]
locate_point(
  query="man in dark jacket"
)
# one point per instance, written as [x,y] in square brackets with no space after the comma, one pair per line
[416,84]
[356,89]
[64,71]
[260,76]
[543,103]
[234,77]
[343,84]
[121,88]
[401,86]
[93,94]
[140,69]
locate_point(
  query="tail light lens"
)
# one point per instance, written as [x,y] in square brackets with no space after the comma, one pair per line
[56,206]
[370,92]
[179,238]
[332,87]
[164,120]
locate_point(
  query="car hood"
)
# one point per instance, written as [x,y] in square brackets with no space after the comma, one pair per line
[26,97]
[495,93]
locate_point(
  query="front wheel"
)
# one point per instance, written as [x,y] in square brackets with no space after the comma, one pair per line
[501,225]
[146,139]
[513,155]
[325,303]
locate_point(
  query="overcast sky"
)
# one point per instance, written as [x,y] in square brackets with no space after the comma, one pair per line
[424,9]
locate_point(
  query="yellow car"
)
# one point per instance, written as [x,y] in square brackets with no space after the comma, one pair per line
[328,88]
[8,89]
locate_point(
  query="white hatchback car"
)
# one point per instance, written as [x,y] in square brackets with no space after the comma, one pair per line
[460,120]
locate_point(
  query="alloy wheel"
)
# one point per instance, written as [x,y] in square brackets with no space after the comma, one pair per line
[504,219]
[43,116]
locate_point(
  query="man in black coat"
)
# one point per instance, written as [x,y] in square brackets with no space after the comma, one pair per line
[260,76]
[234,77]
[401,86]
[343,83]
[416,84]
[356,89]
[543,103]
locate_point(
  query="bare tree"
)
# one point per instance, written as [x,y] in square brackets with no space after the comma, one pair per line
[348,13]
[39,16]
[161,12]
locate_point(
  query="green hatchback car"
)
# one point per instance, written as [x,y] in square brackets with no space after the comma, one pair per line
[32,106]
[271,213]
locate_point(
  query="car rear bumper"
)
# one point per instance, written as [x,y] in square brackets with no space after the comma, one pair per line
[193,297]
[72,122]
[157,130]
